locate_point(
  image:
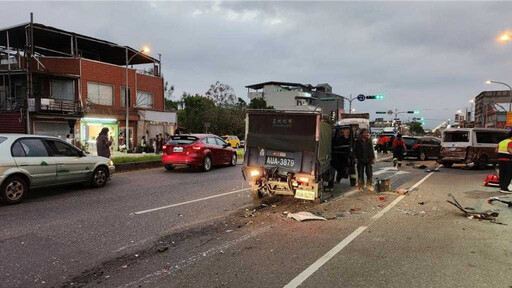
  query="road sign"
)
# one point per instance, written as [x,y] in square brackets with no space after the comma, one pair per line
[361,97]
[328,99]
[380,112]
[509,119]
[390,112]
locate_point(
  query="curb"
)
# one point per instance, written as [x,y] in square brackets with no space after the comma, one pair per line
[123,167]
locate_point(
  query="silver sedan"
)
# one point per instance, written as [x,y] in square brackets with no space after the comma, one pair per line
[31,161]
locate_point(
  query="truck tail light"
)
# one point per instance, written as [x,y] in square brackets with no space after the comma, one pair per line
[303,179]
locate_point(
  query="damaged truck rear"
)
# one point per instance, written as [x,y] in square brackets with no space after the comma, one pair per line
[288,153]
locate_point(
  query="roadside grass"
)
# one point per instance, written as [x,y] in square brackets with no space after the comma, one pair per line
[136,159]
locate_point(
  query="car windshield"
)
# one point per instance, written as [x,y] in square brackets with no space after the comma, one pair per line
[2,139]
[410,141]
[181,140]
[456,136]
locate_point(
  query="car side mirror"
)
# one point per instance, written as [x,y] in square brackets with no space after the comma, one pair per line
[82,153]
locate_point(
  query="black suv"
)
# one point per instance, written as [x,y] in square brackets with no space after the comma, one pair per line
[422,147]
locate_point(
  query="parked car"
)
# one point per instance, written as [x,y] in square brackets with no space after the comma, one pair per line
[471,145]
[30,161]
[422,147]
[199,151]
[232,140]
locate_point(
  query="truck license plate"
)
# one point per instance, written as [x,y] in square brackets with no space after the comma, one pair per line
[283,162]
[304,194]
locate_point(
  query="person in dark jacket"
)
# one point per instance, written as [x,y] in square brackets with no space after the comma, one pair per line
[398,150]
[343,154]
[103,144]
[365,157]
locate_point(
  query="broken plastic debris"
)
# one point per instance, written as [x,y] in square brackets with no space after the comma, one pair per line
[402,191]
[382,199]
[163,249]
[227,231]
[305,216]
[124,266]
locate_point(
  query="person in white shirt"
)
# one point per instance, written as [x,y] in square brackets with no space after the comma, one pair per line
[69,139]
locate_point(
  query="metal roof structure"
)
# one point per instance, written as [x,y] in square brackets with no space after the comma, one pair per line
[291,84]
[51,41]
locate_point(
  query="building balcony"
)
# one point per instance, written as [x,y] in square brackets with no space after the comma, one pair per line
[55,106]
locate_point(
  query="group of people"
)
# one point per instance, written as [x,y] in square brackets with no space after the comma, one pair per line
[157,143]
[104,144]
[363,157]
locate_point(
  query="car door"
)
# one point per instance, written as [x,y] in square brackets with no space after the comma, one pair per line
[70,165]
[32,156]
[216,151]
[225,152]
[436,147]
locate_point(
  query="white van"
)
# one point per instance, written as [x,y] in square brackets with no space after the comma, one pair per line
[470,145]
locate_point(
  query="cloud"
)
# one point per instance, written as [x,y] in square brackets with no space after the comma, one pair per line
[421,55]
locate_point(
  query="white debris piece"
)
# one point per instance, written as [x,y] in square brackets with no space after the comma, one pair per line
[305,216]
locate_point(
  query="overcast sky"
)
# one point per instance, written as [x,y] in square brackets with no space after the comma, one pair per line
[429,56]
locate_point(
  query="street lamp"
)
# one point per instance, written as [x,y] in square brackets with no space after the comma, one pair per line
[505,37]
[509,91]
[144,50]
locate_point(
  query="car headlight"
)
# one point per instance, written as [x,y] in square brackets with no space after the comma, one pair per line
[255,173]
[110,163]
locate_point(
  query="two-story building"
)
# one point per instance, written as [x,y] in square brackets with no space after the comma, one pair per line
[297,96]
[63,83]
[491,107]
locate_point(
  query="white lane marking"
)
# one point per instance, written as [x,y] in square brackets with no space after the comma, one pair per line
[188,202]
[320,262]
[325,258]
[387,208]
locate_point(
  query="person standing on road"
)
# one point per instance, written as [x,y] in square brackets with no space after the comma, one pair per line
[103,144]
[398,150]
[365,157]
[342,154]
[505,163]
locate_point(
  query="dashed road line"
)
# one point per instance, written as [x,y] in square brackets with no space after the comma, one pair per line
[189,202]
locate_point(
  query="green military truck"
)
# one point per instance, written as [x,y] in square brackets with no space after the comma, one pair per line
[288,153]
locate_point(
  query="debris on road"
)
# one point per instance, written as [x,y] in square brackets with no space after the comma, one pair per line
[409,164]
[423,166]
[382,199]
[163,249]
[304,216]
[402,191]
[422,203]
[408,212]
[471,213]
[492,180]
[497,199]
[228,231]
[383,185]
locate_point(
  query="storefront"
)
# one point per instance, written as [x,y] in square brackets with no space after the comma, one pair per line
[90,128]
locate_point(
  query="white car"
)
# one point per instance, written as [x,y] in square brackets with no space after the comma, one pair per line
[31,161]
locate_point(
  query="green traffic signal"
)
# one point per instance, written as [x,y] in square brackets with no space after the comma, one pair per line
[379,97]
[416,112]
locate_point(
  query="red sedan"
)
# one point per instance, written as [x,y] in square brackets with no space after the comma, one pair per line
[197,150]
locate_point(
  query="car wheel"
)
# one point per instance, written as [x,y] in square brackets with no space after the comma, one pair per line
[422,156]
[169,167]
[447,164]
[234,159]
[207,164]
[99,177]
[483,161]
[13,190]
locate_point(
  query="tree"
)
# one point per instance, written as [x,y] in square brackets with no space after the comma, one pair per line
[259,103]
[416,128]
[221,94]
[198,111]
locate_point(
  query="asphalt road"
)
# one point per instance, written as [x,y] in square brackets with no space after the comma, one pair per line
[94,238]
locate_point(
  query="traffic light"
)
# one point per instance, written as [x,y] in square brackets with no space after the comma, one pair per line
[380,112]
[376,97]
[413,112]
